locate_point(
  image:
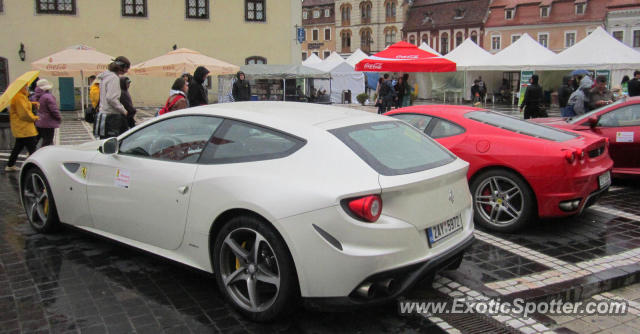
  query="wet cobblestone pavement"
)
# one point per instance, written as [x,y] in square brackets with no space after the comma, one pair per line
[76,282]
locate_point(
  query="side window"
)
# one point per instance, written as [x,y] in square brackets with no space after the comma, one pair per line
[243,142]
[625,116]
[179,138]
[419,122]
[445,129]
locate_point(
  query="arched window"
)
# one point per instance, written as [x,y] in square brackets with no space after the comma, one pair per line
[4,74]
[390,10]
[345,10]
[365,12]
[346,41]
[366,39]
[458,38]
[474,36]
[444,43]
[389,35]
[412,39]
[255,60]
[425,39]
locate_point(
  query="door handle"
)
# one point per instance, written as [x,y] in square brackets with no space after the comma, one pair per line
[183,189]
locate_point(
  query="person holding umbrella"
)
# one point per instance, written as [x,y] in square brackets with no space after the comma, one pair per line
[23,126]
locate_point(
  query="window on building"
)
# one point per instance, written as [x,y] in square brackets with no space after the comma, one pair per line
[508,14]
[56,7]
[619,35]
[459,38]
[1,7]
[412,39]
[134,8]
[365,40]
[346,41]
[569,39]
[425,39]
[198,9]
[514,38]
[314,34]
[543,39]
[474,36]
[390,10]
[316,53]
[305,15]
[326,54]
[255,60]
[345,11]
[304,55]
[327,12]
[544,11]
[636,38]
[327,34]
[495,42]
[4,74]
[316,13]
[580,8]
[444,43]
[459,13]
[365,11]
[389,36]
[254,10]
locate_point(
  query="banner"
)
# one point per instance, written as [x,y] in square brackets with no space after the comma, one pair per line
[524,83]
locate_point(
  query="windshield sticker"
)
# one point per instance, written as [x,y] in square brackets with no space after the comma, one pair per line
[624,137]
[123,178]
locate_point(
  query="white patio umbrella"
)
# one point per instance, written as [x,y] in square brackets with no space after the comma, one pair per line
[177,62]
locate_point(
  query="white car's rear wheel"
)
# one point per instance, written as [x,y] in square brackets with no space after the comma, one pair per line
[254,269]
[38,202]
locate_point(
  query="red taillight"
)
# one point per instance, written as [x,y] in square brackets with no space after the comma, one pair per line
[368,208]
[570,156]
[580,154]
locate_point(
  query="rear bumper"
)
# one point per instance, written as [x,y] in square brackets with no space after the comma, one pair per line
[408,276]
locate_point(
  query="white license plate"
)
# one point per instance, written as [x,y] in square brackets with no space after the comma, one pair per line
[445,229]
[604,180]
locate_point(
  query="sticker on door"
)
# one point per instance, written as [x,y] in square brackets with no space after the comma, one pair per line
[624,137]
[123,178]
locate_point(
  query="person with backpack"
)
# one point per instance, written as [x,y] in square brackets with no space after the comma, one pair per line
[177,97]
[578,103]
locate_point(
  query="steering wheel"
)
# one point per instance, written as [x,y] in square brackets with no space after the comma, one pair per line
[161,143]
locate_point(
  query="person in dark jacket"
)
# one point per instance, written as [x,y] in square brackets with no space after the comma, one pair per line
[127,103]
[241,88]
[387,94]
[634,84]
[563,94]
[532,102]
[197,91]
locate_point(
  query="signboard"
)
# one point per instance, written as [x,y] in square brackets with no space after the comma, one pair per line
[311,46]
[607,74]
[524,83]
[300,34]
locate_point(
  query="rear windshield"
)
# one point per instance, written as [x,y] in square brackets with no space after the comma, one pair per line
[519,126]
[393,148]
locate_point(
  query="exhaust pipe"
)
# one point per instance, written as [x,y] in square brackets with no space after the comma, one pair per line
[388,285]
[366,290]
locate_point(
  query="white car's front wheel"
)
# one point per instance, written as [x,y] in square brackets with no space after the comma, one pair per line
[254,269]
[38,202]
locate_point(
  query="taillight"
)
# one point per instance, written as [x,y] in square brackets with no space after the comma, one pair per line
[368,208]
[580,154]
[570,156]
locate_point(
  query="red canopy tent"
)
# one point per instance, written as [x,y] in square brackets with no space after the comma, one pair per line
[405,57]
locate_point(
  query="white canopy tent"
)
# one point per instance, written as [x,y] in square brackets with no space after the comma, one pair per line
[343,77]
[311,60]
[523,54]
[466,56]
[356,57]
[429,49]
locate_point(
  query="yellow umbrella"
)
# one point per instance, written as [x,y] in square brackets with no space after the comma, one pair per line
[16,86]
[179,61]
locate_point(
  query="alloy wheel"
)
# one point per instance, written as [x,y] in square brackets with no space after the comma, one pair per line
[499,201]
[36,200]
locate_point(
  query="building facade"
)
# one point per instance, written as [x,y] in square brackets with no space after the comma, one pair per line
[318,21]
[623,21]
[238,32]
[445,24]
[556,24]
[370,25]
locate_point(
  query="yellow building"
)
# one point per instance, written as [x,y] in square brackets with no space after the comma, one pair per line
[237,32]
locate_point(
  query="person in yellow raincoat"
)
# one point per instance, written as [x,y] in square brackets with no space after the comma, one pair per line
[23,126]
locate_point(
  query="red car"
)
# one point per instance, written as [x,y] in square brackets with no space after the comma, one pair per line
[620,123]
[518,170]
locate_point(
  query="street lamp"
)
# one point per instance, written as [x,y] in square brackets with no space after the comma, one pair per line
[22,53]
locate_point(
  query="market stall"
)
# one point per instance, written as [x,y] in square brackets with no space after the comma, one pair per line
[345,83]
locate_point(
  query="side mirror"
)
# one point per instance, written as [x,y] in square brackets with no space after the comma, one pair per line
[109,146]
[593,121]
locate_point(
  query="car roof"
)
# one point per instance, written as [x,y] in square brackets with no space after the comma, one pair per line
[441,110]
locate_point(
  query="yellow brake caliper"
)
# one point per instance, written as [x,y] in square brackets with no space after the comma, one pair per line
[244,243]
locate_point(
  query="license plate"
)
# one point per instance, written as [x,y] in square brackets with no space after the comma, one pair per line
[604,180]
[443,230]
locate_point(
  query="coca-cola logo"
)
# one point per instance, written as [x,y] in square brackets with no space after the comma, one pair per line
[407,57]
[56,67]
[374,66]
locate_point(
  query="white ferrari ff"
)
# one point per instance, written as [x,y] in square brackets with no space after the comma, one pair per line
[282,201]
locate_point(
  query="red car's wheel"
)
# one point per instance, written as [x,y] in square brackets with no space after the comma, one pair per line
[502,200]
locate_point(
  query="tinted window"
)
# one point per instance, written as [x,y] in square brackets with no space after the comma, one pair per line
[519,126]
[444,128]
[243,142]
[177,139]
[420,122]
[625,116]
[393,148]
[583,118]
